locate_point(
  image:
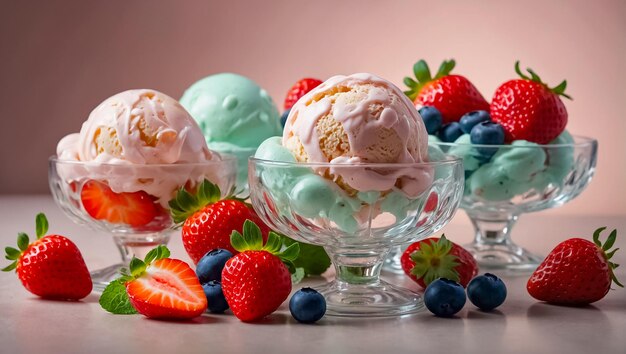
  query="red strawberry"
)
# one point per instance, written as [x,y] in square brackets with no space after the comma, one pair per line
[208,221]
[299,89]
[576,272]
[427,260]
[431,202]
[452,95]
[101,203]
[528,109]
[256,282]
[51,267]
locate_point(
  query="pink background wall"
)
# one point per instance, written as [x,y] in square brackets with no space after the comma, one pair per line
[59,59]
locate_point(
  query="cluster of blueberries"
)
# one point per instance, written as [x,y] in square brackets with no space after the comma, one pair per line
[477,124]
[306,305]
[445,297]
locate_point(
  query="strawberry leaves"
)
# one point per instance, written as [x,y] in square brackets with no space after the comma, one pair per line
[423,76]
[186,204]
[434,260]
[114,298]
[610,241]
[41,225]
[14,254]
[558,89]
[252,240]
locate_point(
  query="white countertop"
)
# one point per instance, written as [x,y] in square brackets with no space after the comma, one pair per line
[520,325]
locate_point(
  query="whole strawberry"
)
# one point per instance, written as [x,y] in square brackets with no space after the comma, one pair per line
[299,89]
[51,267]
[208,221]
[528,109]
[256,281]
[576,272]
[452,95]
[427,260]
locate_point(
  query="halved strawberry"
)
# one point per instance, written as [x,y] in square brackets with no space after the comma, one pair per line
[168,288]
[100,202]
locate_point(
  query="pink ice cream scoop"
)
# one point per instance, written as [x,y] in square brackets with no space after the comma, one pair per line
[355,119]
[142,128]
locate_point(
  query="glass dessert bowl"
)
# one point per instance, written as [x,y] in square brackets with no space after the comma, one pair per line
[504,181]
[129,201]
[357,228]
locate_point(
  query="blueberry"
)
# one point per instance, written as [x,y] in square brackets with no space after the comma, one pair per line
[487,133]
[283,118]
[486,291]
[469,120]
[211,265]
[432,119]
[444,297]
[450,132]
[215,296]
[307,305]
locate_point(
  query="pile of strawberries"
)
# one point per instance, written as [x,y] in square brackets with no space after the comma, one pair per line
[526,108]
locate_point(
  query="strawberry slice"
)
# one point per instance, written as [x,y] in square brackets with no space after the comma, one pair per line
[168,288]
[100,202]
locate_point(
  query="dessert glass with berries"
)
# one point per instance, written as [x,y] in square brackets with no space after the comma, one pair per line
[518,158]
[131,202]
[357,228]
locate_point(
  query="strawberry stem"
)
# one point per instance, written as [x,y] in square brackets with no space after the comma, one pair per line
[423,76]
[433,261]
[604,248]
[186,204]
[558,89]
[14,254]
[252,240]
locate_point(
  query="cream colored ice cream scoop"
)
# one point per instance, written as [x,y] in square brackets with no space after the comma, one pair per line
[360,118]
[138,127]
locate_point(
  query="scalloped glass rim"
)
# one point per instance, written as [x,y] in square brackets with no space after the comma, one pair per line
[225,158]
[579,141]
[449,161]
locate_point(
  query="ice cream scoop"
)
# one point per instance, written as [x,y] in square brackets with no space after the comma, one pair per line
[235,115]
[140,128]
[356,119]
[232,111]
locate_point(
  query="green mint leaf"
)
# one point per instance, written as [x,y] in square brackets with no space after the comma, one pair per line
[114,299]
[297,276]
[137,267]
[41,225]
[22,241]
[12,253]
[312,259]
[10,267]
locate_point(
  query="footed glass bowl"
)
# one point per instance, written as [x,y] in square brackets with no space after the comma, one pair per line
[356,229]
[129,201]
[504,181]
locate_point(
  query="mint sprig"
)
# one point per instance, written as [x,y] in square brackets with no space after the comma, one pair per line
[114,298]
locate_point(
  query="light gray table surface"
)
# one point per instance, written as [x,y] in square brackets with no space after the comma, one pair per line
[520,325]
